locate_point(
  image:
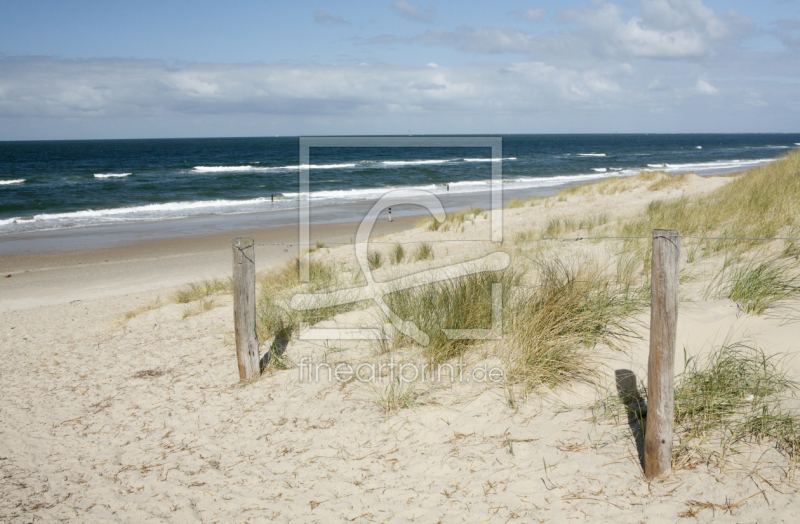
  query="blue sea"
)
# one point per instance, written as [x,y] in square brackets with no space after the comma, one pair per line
[69,184]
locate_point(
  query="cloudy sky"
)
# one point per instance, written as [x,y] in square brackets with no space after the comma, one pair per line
[107,69]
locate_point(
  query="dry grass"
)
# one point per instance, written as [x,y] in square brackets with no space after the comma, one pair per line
[453,220]
[394,395]
[759,204]
[275,318]
[424,251]
[198,306]
[203,288]
[462,303]
[554,326]
[614,185]
[155,304]
[735,395]
[397,254]
[374,259]
[758,284]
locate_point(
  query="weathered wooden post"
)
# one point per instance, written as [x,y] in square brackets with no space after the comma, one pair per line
[660,367]
[244,307]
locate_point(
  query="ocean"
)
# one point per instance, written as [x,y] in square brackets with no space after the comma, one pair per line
[47,185]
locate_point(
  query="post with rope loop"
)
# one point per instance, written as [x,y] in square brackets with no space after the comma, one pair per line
[660,367]
[244,307]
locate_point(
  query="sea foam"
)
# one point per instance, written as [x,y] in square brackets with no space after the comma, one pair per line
[10,182]
[111,175]
[412,162]
[489,159]
[241,169]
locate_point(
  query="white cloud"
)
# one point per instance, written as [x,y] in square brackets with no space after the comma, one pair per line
[53,88]
[663,29]
[407,10]
[704,88]
[529,14]
[666,29]
[323,17]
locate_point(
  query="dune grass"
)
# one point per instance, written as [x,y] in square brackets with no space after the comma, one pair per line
[155,304]
[453,220]
[274,315]
[758,284]
[515,203]
[202,289]
[374,259]
[667,181]
[424,251]
[735,395]
[760,204]
[461,303]
[549,329]
[397,254]
[394,395]
[198,306]
[559,225]
[553,326]
[614,185]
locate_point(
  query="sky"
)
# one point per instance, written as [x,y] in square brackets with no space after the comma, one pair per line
[153,69]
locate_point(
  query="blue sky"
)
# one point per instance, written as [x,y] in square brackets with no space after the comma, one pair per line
[171,69]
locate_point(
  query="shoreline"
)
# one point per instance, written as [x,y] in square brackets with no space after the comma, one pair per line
[131,407]
[128,258]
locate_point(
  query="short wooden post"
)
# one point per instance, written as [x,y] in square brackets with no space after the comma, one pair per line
[660,367]
[244,307]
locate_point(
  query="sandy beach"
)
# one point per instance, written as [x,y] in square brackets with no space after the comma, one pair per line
[121,405]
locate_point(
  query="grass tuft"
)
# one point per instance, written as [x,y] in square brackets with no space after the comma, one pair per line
[397,254]
[735,395]
[460,303]
[274,316]
[374,259]
[396,395]
[155,304]
[203,288]
[453,220]
[424,251]
[554,325]
[198,306]
[757,286]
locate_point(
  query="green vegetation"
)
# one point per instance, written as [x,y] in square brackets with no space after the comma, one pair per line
[397,254]
[553,327]
[199,306]
[761,204]
[203,288]
[395,395]
[453,220]
[757,285]
[461,303]
[274,315]
[735,396]
[374,259]
[424,251]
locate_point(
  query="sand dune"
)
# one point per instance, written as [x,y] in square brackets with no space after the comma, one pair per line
[144,419]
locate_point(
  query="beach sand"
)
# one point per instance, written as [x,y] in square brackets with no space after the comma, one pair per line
[108,419]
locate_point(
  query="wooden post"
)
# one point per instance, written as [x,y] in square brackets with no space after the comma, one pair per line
[244,307]
[660,367]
